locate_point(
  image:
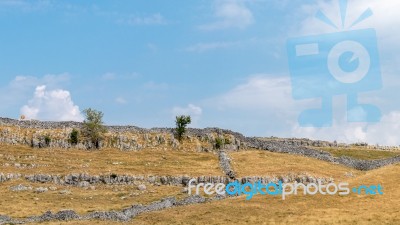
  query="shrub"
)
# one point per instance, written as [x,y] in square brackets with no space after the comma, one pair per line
[219,143]
[227,141]
[74,137]
[181,124]
[47,140]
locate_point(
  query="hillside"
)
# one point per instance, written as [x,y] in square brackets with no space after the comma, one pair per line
[151,168]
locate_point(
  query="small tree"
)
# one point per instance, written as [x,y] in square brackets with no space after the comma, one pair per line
[181,124]
[74,136]
[93,129]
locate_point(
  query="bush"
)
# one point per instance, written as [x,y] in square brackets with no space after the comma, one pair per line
[47,140]
[219,143]
[74,137]
[181,124]
[93,128]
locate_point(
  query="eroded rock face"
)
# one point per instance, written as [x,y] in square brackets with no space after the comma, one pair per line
[130,138]
[40,134]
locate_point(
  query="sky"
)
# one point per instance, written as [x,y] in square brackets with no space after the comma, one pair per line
[223,62]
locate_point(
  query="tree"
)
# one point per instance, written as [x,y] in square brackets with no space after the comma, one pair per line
[93,129]
[181,124]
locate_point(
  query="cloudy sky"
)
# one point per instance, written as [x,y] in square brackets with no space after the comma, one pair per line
[224,62]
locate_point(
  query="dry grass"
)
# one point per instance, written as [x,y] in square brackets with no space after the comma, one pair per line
[147,161]
[27,203]
[261,163]
[260,210]
[352,209]
[360,152]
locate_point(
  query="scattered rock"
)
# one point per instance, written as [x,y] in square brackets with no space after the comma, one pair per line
[53,188]
[66,215]
[4,219]
[65,192]
[142,187]
[83,184]
[20,187]
[41,190]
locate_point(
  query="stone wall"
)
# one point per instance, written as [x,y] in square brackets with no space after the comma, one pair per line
[86,180]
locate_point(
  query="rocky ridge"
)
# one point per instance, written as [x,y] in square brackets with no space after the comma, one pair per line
[131,138]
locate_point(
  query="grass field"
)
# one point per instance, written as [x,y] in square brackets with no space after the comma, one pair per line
[352,209]
[360,152]
[317,209]
[144,162]
[261,163]
[103,197]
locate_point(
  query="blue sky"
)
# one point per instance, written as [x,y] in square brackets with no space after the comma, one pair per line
[142,62]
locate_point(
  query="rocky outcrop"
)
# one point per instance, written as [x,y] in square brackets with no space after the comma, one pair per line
[127,138]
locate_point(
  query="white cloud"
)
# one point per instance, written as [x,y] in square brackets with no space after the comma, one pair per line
[135,20]
[194,111]
[19,90]
[151,85]
[53,105]
[26,6]
[121,100]
[230,14]
[152,47]
[269,98]
[113,76]
[24,82]
[203,47]
[109,76]
[382,133]
[260,91]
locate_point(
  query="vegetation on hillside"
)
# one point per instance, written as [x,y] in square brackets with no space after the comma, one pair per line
[181,124]
[93,129]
